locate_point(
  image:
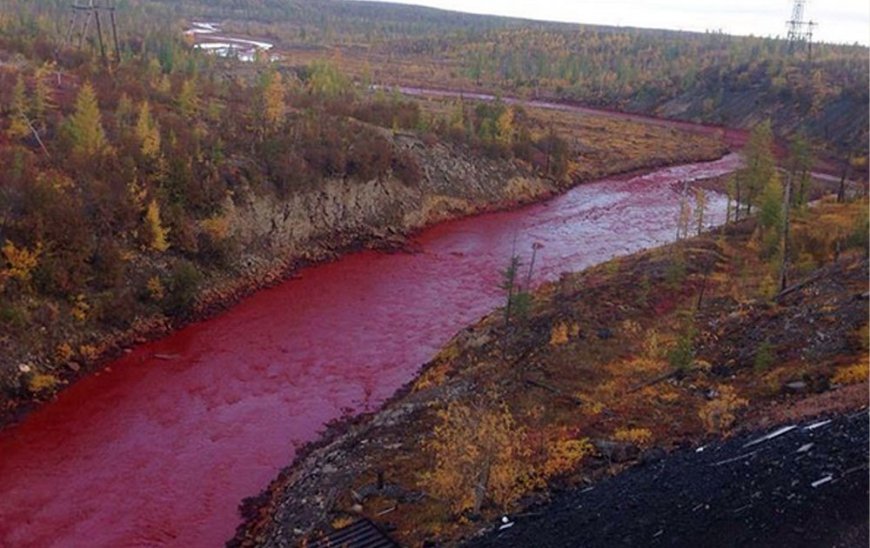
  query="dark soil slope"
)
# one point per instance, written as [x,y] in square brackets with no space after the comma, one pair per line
[805,487]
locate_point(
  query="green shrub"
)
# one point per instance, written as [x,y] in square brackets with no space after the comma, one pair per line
[183,287]
[682,354]
[763,357]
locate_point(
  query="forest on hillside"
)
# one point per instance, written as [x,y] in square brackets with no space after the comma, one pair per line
[710,77]
[119,175]
[118,172]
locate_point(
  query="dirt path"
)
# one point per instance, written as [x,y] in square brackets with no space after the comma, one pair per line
[807,486]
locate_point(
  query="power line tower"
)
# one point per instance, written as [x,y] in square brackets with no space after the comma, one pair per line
[800,32]
[85,11]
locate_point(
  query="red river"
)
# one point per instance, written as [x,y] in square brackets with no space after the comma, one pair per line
[157,452]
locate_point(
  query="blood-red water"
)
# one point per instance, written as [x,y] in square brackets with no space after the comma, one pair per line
[160,452]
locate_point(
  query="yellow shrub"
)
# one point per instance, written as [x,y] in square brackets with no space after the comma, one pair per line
[88,352]
[80,309]
[41,382]
[155,288]
[591,407]
[852,374]
[434,376]
[217,228]
[719,415]
[20,261]
[668,397]
[631,328]
[559,334]
[638,436]
[563,455]
[476,445]
[63,352]
[655,347]
[342,521]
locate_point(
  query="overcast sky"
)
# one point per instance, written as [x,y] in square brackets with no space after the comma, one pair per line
[843,21]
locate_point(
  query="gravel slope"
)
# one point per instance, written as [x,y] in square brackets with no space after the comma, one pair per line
[808,486]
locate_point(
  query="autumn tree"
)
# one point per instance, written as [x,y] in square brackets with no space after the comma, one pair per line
[326,80]
[771,215]
[147,132]
[84,128]
[155,233]
[42,101]
[271,106]
[799,164]
[760,162]
[188,99]
[505,129]
[480,454]
[18,127]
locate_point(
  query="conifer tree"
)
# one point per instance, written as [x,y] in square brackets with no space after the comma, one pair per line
[42,100]
[18,127]
[188,100]
[760,162]
[147,132]
[274,108]
[84,127]
[156,234]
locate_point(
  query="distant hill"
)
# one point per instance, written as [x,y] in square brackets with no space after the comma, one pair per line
[707,77]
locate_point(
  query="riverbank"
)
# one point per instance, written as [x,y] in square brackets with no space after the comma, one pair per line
[198,420]
[629,360]
[276,237]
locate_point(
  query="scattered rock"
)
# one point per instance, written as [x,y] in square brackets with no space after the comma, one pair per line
[604,334]
[795,387]
[652,456]
[616,451]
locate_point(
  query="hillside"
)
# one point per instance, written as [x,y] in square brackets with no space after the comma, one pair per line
[165,188]
[627,361]
[713,78]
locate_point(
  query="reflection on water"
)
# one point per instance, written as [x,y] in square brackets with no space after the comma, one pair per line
[207,39]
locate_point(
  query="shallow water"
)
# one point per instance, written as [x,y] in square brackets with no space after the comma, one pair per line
[160,451]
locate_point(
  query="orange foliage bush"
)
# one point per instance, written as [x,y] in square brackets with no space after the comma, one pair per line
[480,454]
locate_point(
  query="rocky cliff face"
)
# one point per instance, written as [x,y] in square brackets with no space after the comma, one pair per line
[341,214]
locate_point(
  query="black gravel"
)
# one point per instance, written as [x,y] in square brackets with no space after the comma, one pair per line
[728,494]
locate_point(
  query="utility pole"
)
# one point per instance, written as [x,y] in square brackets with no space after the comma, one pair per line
[82,13]
[800,32]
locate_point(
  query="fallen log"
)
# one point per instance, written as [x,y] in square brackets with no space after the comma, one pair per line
[799,286]
[655,380]
[554,390]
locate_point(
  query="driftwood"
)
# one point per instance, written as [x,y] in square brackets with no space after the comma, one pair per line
[554,390]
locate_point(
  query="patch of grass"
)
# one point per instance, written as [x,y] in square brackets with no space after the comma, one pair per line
[764,357]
